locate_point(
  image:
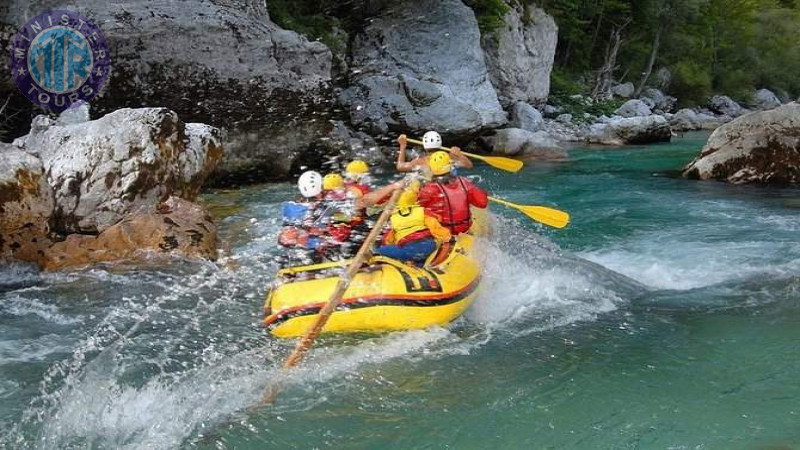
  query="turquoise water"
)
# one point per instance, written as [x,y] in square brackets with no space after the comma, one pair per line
[666,316]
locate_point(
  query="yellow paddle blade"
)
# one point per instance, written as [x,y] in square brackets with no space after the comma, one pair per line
[548,216]
[499,162]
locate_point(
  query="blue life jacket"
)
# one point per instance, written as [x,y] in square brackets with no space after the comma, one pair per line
[294,213]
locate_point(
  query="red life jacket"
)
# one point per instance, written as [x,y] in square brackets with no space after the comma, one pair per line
[450,204]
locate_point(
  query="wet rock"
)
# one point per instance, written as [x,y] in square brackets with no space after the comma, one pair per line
[526,117]
[222,63]
[103,169]
[519,142]
[760,147]
[520,55]
[765,99]
[632,130]
[445,87]
[26,205]
[722,104]
[633,108]
[624,90]
[174,227]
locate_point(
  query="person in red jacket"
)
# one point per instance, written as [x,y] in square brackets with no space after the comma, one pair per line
[449,197]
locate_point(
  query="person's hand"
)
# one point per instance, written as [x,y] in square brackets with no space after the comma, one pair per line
[456,152]
[402,140]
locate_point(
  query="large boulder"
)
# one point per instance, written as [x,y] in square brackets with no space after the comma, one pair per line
[103,169]
[519,142]
[223,63]
[520,55]
[624,90]
[658,100]
[765,99]
[416,71]
[760,147]
[526,117]
[633,108]
[632,130]
[26,205]
[688,120]
[725,105]
[174,227]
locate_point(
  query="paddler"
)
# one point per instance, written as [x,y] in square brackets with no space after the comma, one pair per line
[431,141]
[448,196]
[302,230]
[340,211]
[413,233]
[355,174]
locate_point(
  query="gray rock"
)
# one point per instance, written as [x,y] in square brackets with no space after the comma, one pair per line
[526,117]
[103,169]
[565,132]
[633,108]
[212,61]
[77,114]
[722,104]
[26,205]
[765,99]
[659,100]
[520,55]
[518,142]
[445,87]
[564,118]
[624,90]
[663,78]
[632,130]
[760,147]
[551,112]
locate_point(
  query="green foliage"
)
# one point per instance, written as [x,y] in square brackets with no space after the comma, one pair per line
[311,18]
[691,83]
[489,13]
[578,106]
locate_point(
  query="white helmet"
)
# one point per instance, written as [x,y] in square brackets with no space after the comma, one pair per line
[431,140]
[310,184]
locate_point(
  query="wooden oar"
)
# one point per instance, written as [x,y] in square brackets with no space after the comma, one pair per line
[548,216]
[500,162]
[336,297]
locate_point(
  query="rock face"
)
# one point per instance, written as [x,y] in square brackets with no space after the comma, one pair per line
[218,62]
[657,100]
[765,99]
[722,104]
[633,130]
[102,170]
[520,55]
[633,108]
[175,226]
[526,117]
[26,205]
[761,147]
[519,142]
[398,87]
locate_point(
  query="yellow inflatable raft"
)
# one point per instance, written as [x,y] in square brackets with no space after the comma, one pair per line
[386,295]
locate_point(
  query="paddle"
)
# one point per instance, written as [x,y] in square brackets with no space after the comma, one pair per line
[542,214]
[500,162]
[336,297]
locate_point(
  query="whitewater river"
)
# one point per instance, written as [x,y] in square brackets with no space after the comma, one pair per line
[667,316]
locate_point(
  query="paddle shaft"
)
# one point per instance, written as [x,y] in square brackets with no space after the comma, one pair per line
[324,314]
[471,155]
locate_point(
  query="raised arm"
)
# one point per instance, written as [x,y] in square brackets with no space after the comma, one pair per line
[378,196]
[459,158]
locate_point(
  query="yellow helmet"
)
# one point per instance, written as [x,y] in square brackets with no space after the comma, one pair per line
[332,181]
[409,195]
[356,169]
[440,163]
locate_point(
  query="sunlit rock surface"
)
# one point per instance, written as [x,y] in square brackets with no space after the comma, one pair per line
[760,147]
[174,227]
[103,169]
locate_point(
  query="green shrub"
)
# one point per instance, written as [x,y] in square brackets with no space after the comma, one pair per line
[691,83]
[489,13]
